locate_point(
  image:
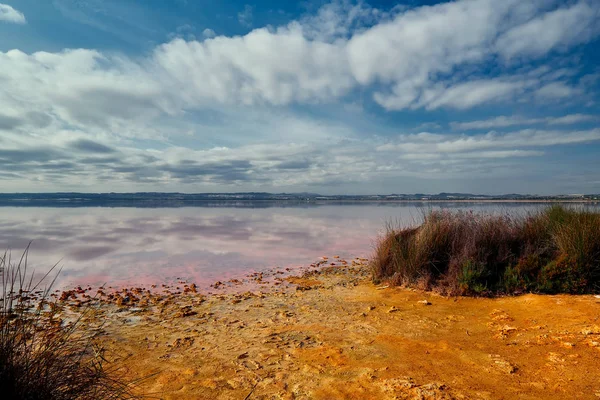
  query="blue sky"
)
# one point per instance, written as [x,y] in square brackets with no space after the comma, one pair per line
[477,96]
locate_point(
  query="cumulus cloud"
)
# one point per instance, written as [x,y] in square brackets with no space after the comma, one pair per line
[208,33]
[275,67]
[415,52]
[425,57]
[341,19]
[9,14]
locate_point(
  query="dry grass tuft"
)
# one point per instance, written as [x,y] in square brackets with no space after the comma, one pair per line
[41,356]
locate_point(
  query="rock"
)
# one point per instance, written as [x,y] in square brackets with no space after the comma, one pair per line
[185,311]
[503,364]
[591,330]
[393,309]
[191,289]
[425,302]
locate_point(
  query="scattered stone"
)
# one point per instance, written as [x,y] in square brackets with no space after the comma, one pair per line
[507,329]
[191,289]
[503,364]
[187,341]
[591,330]
[185,311]
[555,358]
[500,315]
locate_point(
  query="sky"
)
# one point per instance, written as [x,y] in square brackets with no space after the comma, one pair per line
[330,97]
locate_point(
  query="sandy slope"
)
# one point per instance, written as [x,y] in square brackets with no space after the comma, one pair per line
[337,336]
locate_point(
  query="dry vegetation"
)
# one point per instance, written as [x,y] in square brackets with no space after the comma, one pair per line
[556,250]
[41,355]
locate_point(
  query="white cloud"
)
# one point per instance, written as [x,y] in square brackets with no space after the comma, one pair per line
[572,119]
[413,55]
[210,111]
[556,91]
[276,67]
[517,120]
[497,122]
[450,144]
[246,17]
[208,33]
[80,87]
[224,95]
[557,29]
[341,19]
[9,14]
[324,155]
[469,94]
[408,55]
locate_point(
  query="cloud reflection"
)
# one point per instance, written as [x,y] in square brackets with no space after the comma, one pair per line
[129,246]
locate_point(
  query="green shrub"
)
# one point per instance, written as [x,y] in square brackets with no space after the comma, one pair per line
[473,278]
[564,275]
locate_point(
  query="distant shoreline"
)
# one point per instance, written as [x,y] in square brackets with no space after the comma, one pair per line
[264,199]
[260,203]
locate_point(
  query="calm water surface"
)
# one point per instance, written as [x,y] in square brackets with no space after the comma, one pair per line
[141,246]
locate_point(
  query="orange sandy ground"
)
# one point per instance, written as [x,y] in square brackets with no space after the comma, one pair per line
[334,335]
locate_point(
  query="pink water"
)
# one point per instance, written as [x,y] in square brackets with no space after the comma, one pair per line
[140,247]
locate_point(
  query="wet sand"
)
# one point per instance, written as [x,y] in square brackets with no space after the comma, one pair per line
[331,334]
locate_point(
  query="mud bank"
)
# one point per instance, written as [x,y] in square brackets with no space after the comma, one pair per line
[331,334]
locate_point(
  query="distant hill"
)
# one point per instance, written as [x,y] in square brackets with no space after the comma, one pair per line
[158,199]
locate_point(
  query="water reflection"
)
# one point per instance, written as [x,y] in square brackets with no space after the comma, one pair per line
[129,246]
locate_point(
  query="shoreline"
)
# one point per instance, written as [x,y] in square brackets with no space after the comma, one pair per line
[330,333]
[266,203]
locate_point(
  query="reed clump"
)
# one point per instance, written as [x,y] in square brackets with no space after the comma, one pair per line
[43,356]
[556,250]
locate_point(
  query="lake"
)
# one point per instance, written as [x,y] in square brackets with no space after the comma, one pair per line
[143,246]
